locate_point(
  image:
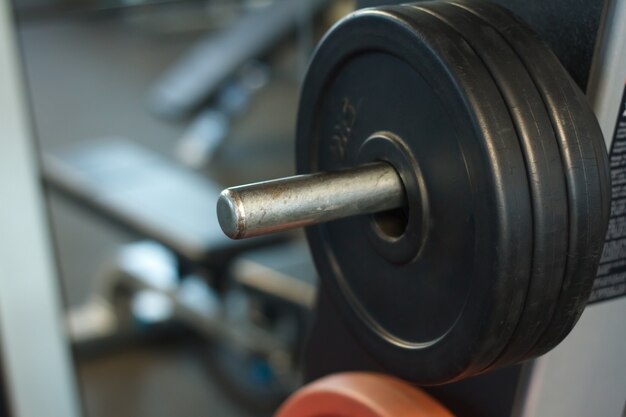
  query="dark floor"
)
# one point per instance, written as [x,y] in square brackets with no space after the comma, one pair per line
[161,380]
[88,77]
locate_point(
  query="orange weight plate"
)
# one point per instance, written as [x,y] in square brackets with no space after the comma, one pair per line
[361,394]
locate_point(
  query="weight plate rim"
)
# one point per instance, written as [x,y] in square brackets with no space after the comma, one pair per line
[310,98]
[543,161]
[582,264]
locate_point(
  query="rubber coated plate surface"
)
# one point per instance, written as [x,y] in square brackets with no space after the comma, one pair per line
[584,157]
[447,312]
[543,164]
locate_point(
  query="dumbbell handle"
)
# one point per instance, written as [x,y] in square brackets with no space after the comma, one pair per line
[304,200]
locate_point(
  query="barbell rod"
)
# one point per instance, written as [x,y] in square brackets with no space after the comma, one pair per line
[304,200]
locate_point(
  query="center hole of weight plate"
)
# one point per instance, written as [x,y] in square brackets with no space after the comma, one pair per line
[398,234]
[391,224]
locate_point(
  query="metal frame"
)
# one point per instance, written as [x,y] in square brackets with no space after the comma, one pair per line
[33,348]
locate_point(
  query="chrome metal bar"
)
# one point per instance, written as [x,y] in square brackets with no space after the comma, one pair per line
[305,200]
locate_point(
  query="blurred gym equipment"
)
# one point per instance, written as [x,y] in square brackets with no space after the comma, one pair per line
[213,61]
[182,275]
[186,271]
[225,66]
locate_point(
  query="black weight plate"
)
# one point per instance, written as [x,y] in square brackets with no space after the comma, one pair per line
[447,311]
[583,155]
[543,164]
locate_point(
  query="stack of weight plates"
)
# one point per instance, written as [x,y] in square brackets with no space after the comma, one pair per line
[505,171]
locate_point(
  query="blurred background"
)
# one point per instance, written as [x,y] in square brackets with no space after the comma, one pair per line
[144,110]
